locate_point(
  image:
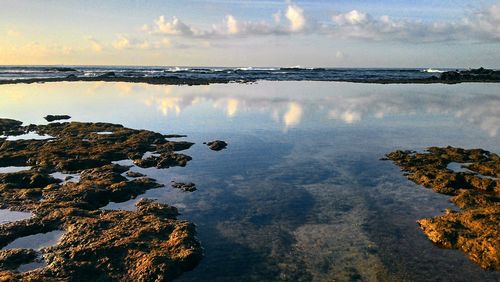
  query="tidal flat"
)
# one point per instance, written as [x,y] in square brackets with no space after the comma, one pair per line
[300,192]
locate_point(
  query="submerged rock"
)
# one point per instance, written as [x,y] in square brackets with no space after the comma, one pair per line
[216,145]
[134,174]
[148,244]
[51,118]
[188,187]
[475,229]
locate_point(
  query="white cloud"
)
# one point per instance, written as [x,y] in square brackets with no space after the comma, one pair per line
[483,25]
[173,27]
[295,16]
[352,17]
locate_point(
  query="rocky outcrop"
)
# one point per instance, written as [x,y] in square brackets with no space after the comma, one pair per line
[475,229]
[147,244]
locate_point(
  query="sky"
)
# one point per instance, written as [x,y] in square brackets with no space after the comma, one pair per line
[356,33]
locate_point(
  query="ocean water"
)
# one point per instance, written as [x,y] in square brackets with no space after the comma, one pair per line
[300,193]
[225,73]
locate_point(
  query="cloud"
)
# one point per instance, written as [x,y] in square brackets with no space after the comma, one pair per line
[295,16]
[13,33]
[95,45]
[482,25]
[232,25]
[123,42]
[173,27]
[296,22]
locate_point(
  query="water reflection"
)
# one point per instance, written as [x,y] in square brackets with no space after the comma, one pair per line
[300,194]
[282,103]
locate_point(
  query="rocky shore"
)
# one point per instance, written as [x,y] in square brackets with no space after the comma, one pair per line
[475,187]
[147,244]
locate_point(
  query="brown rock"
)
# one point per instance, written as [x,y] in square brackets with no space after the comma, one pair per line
[475,229]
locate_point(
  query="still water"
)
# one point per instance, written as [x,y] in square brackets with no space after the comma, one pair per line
[300,192]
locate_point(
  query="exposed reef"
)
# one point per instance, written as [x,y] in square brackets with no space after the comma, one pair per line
[111,77]
[147,244]
[475,229]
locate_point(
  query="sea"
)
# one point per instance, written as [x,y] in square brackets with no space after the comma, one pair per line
[225,73]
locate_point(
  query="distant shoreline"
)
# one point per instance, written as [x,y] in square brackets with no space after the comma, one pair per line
[205,77]
[197,81]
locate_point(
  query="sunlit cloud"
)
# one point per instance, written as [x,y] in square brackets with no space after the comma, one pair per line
[95,45]
[232,25]
[483,25]
[295,16]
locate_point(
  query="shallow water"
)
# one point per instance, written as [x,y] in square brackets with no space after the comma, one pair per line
[7,216]
[29,136]
[300,192]
[36,241]
[12,169]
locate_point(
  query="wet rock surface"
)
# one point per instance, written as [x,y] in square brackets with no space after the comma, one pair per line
[51,118]
[216,145]
[475,229]
[188,187]
[148,244]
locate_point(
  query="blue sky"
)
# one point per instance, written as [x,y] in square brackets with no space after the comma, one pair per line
[356,33]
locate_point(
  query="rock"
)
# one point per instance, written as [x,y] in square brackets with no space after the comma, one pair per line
[10,127]
[108,75]
[12,259]
[97,246]
[174,136]
[188,187]
[475,229]
[174,146]
[51,118]
[216,145]
[165,160]
[134,174]
[480,74]
[61,69]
